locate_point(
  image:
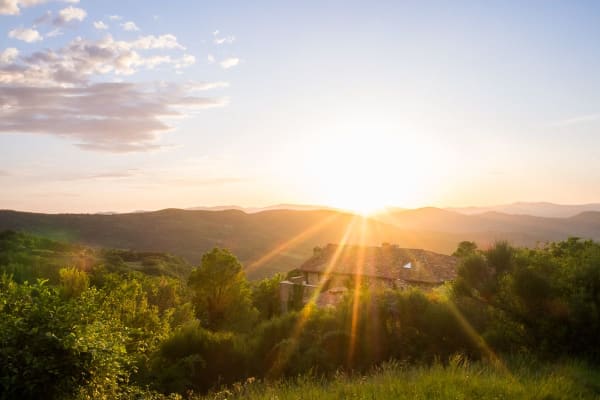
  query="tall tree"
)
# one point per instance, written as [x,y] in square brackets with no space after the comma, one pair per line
[465,248]
[222,294]
[265,296]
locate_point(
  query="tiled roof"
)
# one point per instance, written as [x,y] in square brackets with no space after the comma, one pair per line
[386,261]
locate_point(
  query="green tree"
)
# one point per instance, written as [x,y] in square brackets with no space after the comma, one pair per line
[54,348]
[222,294]
[194,358]
[464,249]
[501,257]
[265,297]
[73,282]
[126,301]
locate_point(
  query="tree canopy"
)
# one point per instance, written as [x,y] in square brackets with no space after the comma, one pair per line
[222,294]
[104,329]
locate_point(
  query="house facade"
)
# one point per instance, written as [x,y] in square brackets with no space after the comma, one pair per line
[333,269]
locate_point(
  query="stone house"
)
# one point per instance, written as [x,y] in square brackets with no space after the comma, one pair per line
[333,270]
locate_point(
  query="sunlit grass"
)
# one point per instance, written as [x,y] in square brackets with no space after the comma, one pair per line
[459,380]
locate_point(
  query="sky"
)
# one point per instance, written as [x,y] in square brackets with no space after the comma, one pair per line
[143,105]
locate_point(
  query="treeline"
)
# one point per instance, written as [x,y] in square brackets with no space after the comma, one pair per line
[106,329]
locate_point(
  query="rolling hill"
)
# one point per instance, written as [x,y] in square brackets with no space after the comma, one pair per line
[279,240]
[538,209]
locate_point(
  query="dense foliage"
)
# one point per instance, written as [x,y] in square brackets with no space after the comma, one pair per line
[544,301]
[87,323]
[55,346]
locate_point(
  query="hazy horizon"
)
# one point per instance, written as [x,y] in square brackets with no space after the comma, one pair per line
[539,208]
[112,107]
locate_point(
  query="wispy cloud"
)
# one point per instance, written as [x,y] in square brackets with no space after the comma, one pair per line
[193,86]
[115,174]
[167,41]
[130,26]
[229,62]
[43,19]
[217,39]
[112,117]
[115,17]
[152,177]
[205,181]
[49,92]
[100,25]
[81,59]
[13,7]
[67,91]
[69,14]
[55,32]
[577,120]
[25,34]
[8,55]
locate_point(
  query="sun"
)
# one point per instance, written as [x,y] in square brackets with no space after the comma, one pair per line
[367,208]
[363,202]
[365,173]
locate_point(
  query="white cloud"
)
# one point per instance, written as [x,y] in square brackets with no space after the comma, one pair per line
[185,61]
[577,120]
[25,34]
[8,55]
[13,7]
[69,14]
[229,62]
[222,40]
[55,91]
[43,19]
[130,26]
[167,41]
[100,25]
[55,32]
[200,86]
[228,40]
[210,58]
[115,17]
[81,59]
[112,117]
[115,174]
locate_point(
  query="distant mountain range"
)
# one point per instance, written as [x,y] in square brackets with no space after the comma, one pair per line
[496,224]
[539,209]
[536,209]
[277,240]
[252,210]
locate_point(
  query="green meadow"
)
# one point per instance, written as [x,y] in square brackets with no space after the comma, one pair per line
[457,380]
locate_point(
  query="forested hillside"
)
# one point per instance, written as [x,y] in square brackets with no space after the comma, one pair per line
[81,323]
[277,241]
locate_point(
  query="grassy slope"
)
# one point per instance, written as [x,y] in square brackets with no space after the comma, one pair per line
[569,380]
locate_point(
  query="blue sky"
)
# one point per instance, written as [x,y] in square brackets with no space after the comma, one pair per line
[351,104]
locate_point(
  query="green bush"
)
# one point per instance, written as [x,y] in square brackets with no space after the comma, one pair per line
[53,348]
[193,358]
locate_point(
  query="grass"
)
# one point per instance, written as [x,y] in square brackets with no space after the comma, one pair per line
[458,380]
